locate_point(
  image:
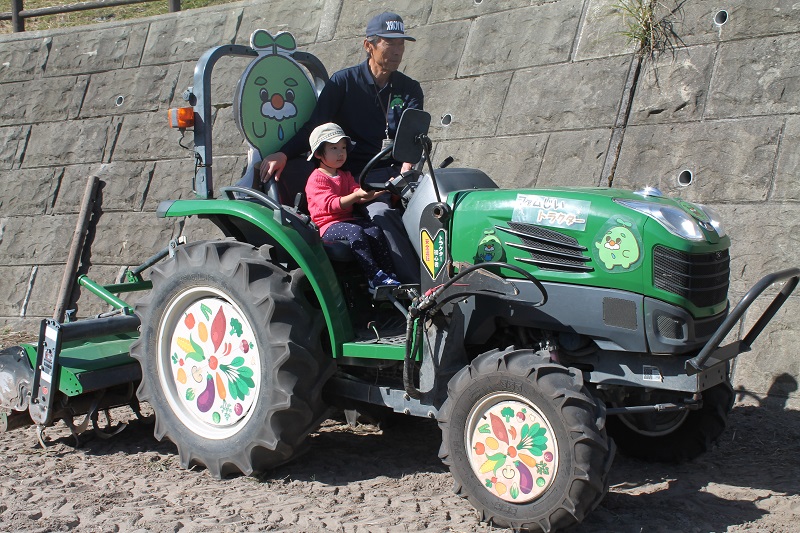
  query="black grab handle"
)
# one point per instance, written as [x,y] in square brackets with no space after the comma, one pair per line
[697,363]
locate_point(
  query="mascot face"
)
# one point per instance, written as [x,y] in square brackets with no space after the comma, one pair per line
[275,97]
[618,247]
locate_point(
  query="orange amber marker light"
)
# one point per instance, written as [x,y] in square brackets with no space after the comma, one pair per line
[181,117]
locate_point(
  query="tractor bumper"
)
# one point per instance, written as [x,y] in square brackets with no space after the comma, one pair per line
[713,355]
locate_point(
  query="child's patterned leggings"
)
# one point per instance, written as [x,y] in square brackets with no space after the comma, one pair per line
[367,242]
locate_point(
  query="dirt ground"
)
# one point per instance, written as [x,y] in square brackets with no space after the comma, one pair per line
[368,480]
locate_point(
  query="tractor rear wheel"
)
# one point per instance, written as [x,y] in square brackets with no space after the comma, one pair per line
[525,441]
[231,358]
[673,436]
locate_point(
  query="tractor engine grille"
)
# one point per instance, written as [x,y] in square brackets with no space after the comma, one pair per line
[700,278]
[548,249]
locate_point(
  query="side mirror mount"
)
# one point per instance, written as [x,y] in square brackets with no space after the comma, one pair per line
[408,142]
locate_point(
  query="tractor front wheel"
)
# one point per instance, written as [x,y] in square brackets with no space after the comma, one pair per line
[525,441]
[231,358]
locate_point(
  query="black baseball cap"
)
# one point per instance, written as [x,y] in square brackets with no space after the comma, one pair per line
[389,26]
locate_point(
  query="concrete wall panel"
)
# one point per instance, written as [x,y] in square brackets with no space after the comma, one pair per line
[787,173]
[756,77]
[536,35]
[71,142]
[509,161]
[14,288]
[43,100]
[13,141]
[185,35]
[302,19]
[94,50]
[562,97]
[602,32]
[129,90]
[765,238]
[42,241]
[29,192]
[122,186]
[730,160]
[147,136]
[355,14]
[424,63]
[465,102]
[22,60]
[574,158]
[674,89]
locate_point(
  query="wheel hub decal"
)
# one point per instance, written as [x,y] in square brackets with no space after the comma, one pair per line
[212,363]
[511,448]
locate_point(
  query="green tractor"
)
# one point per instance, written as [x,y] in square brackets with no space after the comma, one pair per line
[551,326]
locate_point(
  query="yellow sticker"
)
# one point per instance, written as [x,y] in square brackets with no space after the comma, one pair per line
[433,252]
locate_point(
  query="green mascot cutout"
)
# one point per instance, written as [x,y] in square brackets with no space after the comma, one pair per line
[273,99]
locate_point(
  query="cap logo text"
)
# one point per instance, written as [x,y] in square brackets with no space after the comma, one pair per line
[395,25]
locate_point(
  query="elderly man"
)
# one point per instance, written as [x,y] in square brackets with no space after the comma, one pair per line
[367,101]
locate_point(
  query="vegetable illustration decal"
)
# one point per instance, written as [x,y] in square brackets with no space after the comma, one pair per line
[206,398]
[218,329]
[512,451]
[214,363]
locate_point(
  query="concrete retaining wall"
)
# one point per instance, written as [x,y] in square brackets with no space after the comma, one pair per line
[533,90]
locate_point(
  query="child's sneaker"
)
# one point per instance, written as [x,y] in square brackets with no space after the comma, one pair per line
[382,278]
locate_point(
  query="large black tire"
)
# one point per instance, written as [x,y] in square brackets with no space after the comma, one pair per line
[677,436]
[525,441]
[231,358]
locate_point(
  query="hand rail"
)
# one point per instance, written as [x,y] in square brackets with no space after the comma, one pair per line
[17,15]
[697,363]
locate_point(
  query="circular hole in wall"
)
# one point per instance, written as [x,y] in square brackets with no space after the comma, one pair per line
[685,178]
[120,100]
[477,2]
[721,17]
[447,118]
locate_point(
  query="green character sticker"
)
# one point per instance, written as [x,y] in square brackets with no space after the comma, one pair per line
[619,245]
[490,248]
[274,97]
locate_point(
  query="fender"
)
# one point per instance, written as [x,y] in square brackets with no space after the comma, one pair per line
[307,253]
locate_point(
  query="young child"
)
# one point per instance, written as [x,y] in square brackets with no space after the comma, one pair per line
[332,193]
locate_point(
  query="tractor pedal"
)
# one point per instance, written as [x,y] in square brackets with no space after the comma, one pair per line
[401,292]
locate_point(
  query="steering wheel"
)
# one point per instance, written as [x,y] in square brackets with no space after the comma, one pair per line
[397,185]
[362,178]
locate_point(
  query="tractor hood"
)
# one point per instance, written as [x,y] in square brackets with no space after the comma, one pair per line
[641,242]
[659,247]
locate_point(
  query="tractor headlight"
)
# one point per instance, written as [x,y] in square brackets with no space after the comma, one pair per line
[713,219]
[674,219]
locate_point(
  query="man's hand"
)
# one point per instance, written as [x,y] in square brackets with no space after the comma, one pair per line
[272,166]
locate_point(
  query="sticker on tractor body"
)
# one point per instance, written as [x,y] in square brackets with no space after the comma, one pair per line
[651,373]
[490,248]
[551,211]
[618,246]
[433,251]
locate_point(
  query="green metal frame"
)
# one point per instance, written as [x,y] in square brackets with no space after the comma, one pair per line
[80,358]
